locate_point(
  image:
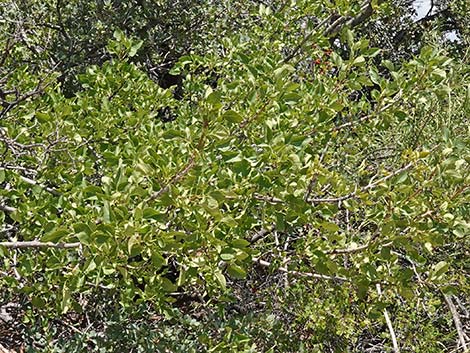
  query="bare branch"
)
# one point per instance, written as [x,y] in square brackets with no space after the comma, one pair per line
[349,250]
[270,199]
[261,234]
[8,105]
[38,244]
[6,208]
[457,322]
[396,348]
[34,182]
[301,274]
[5,315]
[395,173]
[369,186]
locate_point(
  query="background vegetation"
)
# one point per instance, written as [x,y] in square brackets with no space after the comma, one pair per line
[234,176]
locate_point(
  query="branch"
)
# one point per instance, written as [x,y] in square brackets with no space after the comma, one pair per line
[366,11]
[305,39]
[245,122]
[457,322]
[6,208]
[396,348]
[261,234]
[5,315]
[34,182]
[365,188]
[401,170]
[396,98]
[173,180]
[38,244]
[8,105]
[178,176]
[9,44]
[300,274]
[338,22]
[362,119]
[349,250]
[333,199]
[270,199]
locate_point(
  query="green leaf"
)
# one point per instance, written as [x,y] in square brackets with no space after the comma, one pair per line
[106,212]
[227,255]
[135,47]
[167,285]
[171,134]
[66,299]
[372,52]
[232,117]
[181,277]
[55,236]
[438,74]
[283,71]
[38,302]
[389,228]
[214,98]
[330,227]
[240,243]
[359,61]
[43,117]
[291,98]
[133,241]
[84,238]
[221,279]
[439,270]
[350,37]
[389,65]
[402,178]
[157,260]
[151,213]
[236,271]
[460,232]
[230,221]
[118,35]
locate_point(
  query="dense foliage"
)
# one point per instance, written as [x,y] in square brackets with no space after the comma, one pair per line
[233,177]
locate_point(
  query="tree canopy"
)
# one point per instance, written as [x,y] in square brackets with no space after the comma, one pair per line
[234,176]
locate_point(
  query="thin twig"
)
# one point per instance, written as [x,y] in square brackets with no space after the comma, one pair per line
[369,186]
[182,173]
[396,97]
[300,274]
[38,244]
[348,250]
[366,11]
[270,199]
[247,121]
[261,234]
[285,261]
[305,39]
[174,180]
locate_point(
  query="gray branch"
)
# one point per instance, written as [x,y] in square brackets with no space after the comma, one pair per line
[38,244]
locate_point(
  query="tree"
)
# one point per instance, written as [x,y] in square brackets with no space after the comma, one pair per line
[303,163]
